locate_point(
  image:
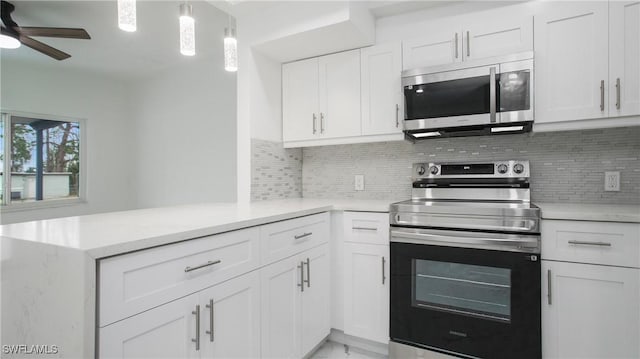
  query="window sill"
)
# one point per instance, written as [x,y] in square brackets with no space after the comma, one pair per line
[47,204]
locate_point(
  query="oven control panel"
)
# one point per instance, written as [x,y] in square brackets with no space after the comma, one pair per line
[488,169]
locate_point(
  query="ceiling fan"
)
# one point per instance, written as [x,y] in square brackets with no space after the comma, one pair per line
[11,31]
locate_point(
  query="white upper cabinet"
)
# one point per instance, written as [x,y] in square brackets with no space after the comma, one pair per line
[624,58]
[382,97]
[300,106]
[340,94]
[468,38]
[571,58]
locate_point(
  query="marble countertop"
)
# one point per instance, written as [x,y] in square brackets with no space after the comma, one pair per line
[107,234]
[590,212]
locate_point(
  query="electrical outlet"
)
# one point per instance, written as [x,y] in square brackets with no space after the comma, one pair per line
[359,181]
[612,181]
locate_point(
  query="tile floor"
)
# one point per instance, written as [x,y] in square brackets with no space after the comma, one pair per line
[333,350]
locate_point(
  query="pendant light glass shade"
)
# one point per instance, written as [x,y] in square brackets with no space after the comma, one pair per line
[230,50]
[187,30]
[127,15]
[8,42]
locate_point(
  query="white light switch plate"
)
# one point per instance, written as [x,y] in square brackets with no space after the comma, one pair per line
[612,181]
[359,182]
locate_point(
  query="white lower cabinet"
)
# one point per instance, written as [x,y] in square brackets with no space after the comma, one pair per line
[295,304]
[182,328]
[590,311]
[366,291]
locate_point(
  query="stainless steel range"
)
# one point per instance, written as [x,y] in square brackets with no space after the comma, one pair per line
[465,268]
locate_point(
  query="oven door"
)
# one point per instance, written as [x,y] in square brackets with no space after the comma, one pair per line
[472,302]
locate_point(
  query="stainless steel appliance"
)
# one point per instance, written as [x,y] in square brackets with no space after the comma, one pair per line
[487,96]
[465,268]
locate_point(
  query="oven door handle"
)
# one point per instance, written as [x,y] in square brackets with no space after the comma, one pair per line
[441,239]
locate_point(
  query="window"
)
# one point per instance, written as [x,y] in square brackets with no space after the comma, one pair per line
[39,159]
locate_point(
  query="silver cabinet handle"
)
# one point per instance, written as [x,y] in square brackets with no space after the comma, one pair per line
[365,228]
[301,284]
[314,124]
[209,263]
[549,286]
[456,45]
[308,281]
[468,45]
[397,119]
[321,122]
[601,95]
[492,93]
[210,331]
[383,276]
[300,236]
[587,243]
[618,93]
[197,314]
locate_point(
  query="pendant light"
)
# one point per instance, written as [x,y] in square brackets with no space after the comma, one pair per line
[230,48]
[127,15]
[187,30]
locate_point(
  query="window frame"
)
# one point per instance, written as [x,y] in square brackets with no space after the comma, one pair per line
[5,203]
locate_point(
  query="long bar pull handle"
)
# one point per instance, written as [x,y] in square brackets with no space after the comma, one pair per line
[492,94]
[397,118]
[321,122]
[587,243]
[314,124]
[209,263]
[468,45]
[308,273]
[618,93]
[365,228]
[197,314]
[384,278]
[300,236]
[549,286]
[211,318]
[456,45]
[601,95]
[301,284]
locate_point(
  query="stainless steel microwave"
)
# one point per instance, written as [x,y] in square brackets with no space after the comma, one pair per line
[487,96]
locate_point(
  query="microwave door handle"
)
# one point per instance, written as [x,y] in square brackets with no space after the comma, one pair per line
[492,94]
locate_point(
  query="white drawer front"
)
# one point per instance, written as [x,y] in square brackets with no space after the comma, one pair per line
[283,239]
[606,243]
[366,227]
[132,283]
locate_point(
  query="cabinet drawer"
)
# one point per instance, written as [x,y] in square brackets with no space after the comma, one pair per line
[366,227]
[135,282]
[283,239]
[591,242]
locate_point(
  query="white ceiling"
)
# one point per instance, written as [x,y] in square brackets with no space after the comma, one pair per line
[154,46]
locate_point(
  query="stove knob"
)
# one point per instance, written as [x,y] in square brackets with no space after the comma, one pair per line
[502,168]
[518,168]
[433,170]
[420,170]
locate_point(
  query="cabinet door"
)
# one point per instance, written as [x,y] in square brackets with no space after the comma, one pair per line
[232,310]
[166,331]
[591,311]
[315,315]
[280,309]
[494,38]
[366,291]
[571,55]
[339,78]
[624,58]
[382,98]
[300,100]
[432,48]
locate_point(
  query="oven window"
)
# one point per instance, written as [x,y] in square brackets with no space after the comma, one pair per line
[478,291]
[514,91]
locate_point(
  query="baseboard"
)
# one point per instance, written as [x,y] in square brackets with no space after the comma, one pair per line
[338,336]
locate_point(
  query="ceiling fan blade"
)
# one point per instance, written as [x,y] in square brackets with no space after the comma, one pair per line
[64,32]
[44,48]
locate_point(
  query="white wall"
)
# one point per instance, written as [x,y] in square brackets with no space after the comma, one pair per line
[184,148]
[102,102]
